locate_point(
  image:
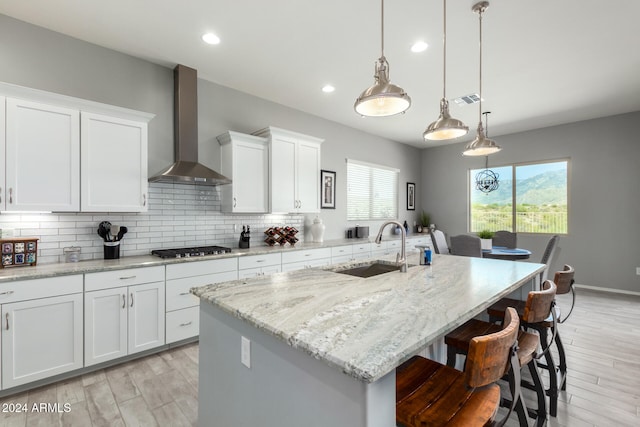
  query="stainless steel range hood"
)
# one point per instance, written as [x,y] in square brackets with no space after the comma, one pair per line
[186,169]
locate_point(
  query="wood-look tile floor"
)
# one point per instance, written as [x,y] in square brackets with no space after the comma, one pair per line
[602,341]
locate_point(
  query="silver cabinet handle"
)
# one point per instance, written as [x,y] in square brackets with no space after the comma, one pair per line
[127,277]
[6,316]
[260,260]
[0,194]
[6,293]
[307,254]
[131,300]
[10,195]
[234,202]
[144,199]
[124,300]
[186,324]
[184,293]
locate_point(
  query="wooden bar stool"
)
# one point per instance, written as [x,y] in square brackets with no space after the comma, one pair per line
[458,343]
[537,317]
[431,394]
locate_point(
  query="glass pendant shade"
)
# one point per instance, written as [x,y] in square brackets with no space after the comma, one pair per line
[383,98]
[445,127]
[481,145]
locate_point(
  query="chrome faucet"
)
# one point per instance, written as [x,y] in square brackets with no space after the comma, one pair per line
[401,258]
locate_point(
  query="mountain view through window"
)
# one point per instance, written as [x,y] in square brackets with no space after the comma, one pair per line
[531,198]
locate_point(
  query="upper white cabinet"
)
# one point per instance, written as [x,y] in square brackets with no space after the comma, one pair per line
[294,170]
[113,164]
[2,151]
[42,157]
[64,154]
[245,159]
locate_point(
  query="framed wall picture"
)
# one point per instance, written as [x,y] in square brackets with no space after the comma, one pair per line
[327,189]
[411,196]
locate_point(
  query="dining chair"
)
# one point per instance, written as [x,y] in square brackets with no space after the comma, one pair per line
[439,242]
[429,393]
[505,238]
[541,318]
[547,256]
[466,245]
[537,308]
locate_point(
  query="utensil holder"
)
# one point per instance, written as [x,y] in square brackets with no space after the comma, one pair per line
[112,250]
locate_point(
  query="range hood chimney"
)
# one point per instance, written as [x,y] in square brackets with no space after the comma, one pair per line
[186,169]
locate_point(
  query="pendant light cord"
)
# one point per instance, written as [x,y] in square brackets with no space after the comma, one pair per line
[382,27]
[444,55]
[480,10]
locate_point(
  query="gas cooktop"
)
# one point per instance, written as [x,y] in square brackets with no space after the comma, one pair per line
[190,252]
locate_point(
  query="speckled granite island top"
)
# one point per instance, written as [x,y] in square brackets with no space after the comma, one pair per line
[367,327]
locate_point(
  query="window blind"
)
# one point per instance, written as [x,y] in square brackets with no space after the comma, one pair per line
[372,191]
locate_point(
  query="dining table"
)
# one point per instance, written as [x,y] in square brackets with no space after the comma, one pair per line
[502,252]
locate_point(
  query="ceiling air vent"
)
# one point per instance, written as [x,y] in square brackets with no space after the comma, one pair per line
[467,99]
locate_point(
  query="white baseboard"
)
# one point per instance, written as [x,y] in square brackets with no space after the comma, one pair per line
[613,291]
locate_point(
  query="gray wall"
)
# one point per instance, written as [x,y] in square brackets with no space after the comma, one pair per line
[50,61]
[603,242]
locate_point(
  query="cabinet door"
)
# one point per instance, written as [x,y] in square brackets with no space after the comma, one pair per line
[250,177]
[283,167]
[146,316]
[114,164]
[2,154]
[308,177]
[41,338]
[105,325]
[42,157]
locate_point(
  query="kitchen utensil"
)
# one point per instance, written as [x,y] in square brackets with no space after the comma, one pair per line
[103,230]
[115,229]
[123,230]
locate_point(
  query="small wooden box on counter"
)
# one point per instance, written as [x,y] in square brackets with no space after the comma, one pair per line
[19,251]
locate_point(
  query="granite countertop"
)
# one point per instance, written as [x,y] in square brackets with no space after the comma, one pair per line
[367,327]
[93,266]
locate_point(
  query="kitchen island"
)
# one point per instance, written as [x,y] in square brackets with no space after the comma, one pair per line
[320,348]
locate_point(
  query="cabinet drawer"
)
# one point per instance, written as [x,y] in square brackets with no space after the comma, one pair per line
[341,251]
[340,259]
[178,295]
[306,255]
[258,271]
[126,277]
[22,290]
[200,268]
[394,244]
[362,248]
[292,266]
[183,324]
[256,261]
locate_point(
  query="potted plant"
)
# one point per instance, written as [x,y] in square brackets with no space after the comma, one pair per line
[485,239]
[425,219]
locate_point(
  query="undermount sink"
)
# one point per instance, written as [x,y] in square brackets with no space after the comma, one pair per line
[372,269]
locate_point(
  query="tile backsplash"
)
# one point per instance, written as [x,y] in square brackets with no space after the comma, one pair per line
[179,215]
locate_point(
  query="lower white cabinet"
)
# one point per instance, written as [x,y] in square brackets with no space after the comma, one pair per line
[41,337]
[259,265]
[183,308]
[122,320]
[307,258]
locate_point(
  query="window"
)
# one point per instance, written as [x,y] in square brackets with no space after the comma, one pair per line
[531,198]
[372,191]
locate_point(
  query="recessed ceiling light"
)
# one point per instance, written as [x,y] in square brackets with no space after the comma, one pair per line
[211,38]
[419,47]
[328,88]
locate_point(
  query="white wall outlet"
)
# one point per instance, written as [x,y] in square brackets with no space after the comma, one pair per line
[638,271]
[245,352]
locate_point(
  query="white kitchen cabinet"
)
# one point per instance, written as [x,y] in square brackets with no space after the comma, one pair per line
[361,250]
[182,307]
[307,258]
[113,164]
[2,152]
[41,337]
[341,254]
[259,265]
[42,157]
[294,170]
[245,160]
[124,313]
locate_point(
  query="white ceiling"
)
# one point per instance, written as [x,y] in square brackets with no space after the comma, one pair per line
[544,63]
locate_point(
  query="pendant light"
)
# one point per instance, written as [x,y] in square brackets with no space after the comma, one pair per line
[487,180]
[481,145]
[445,127]
[383,98]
